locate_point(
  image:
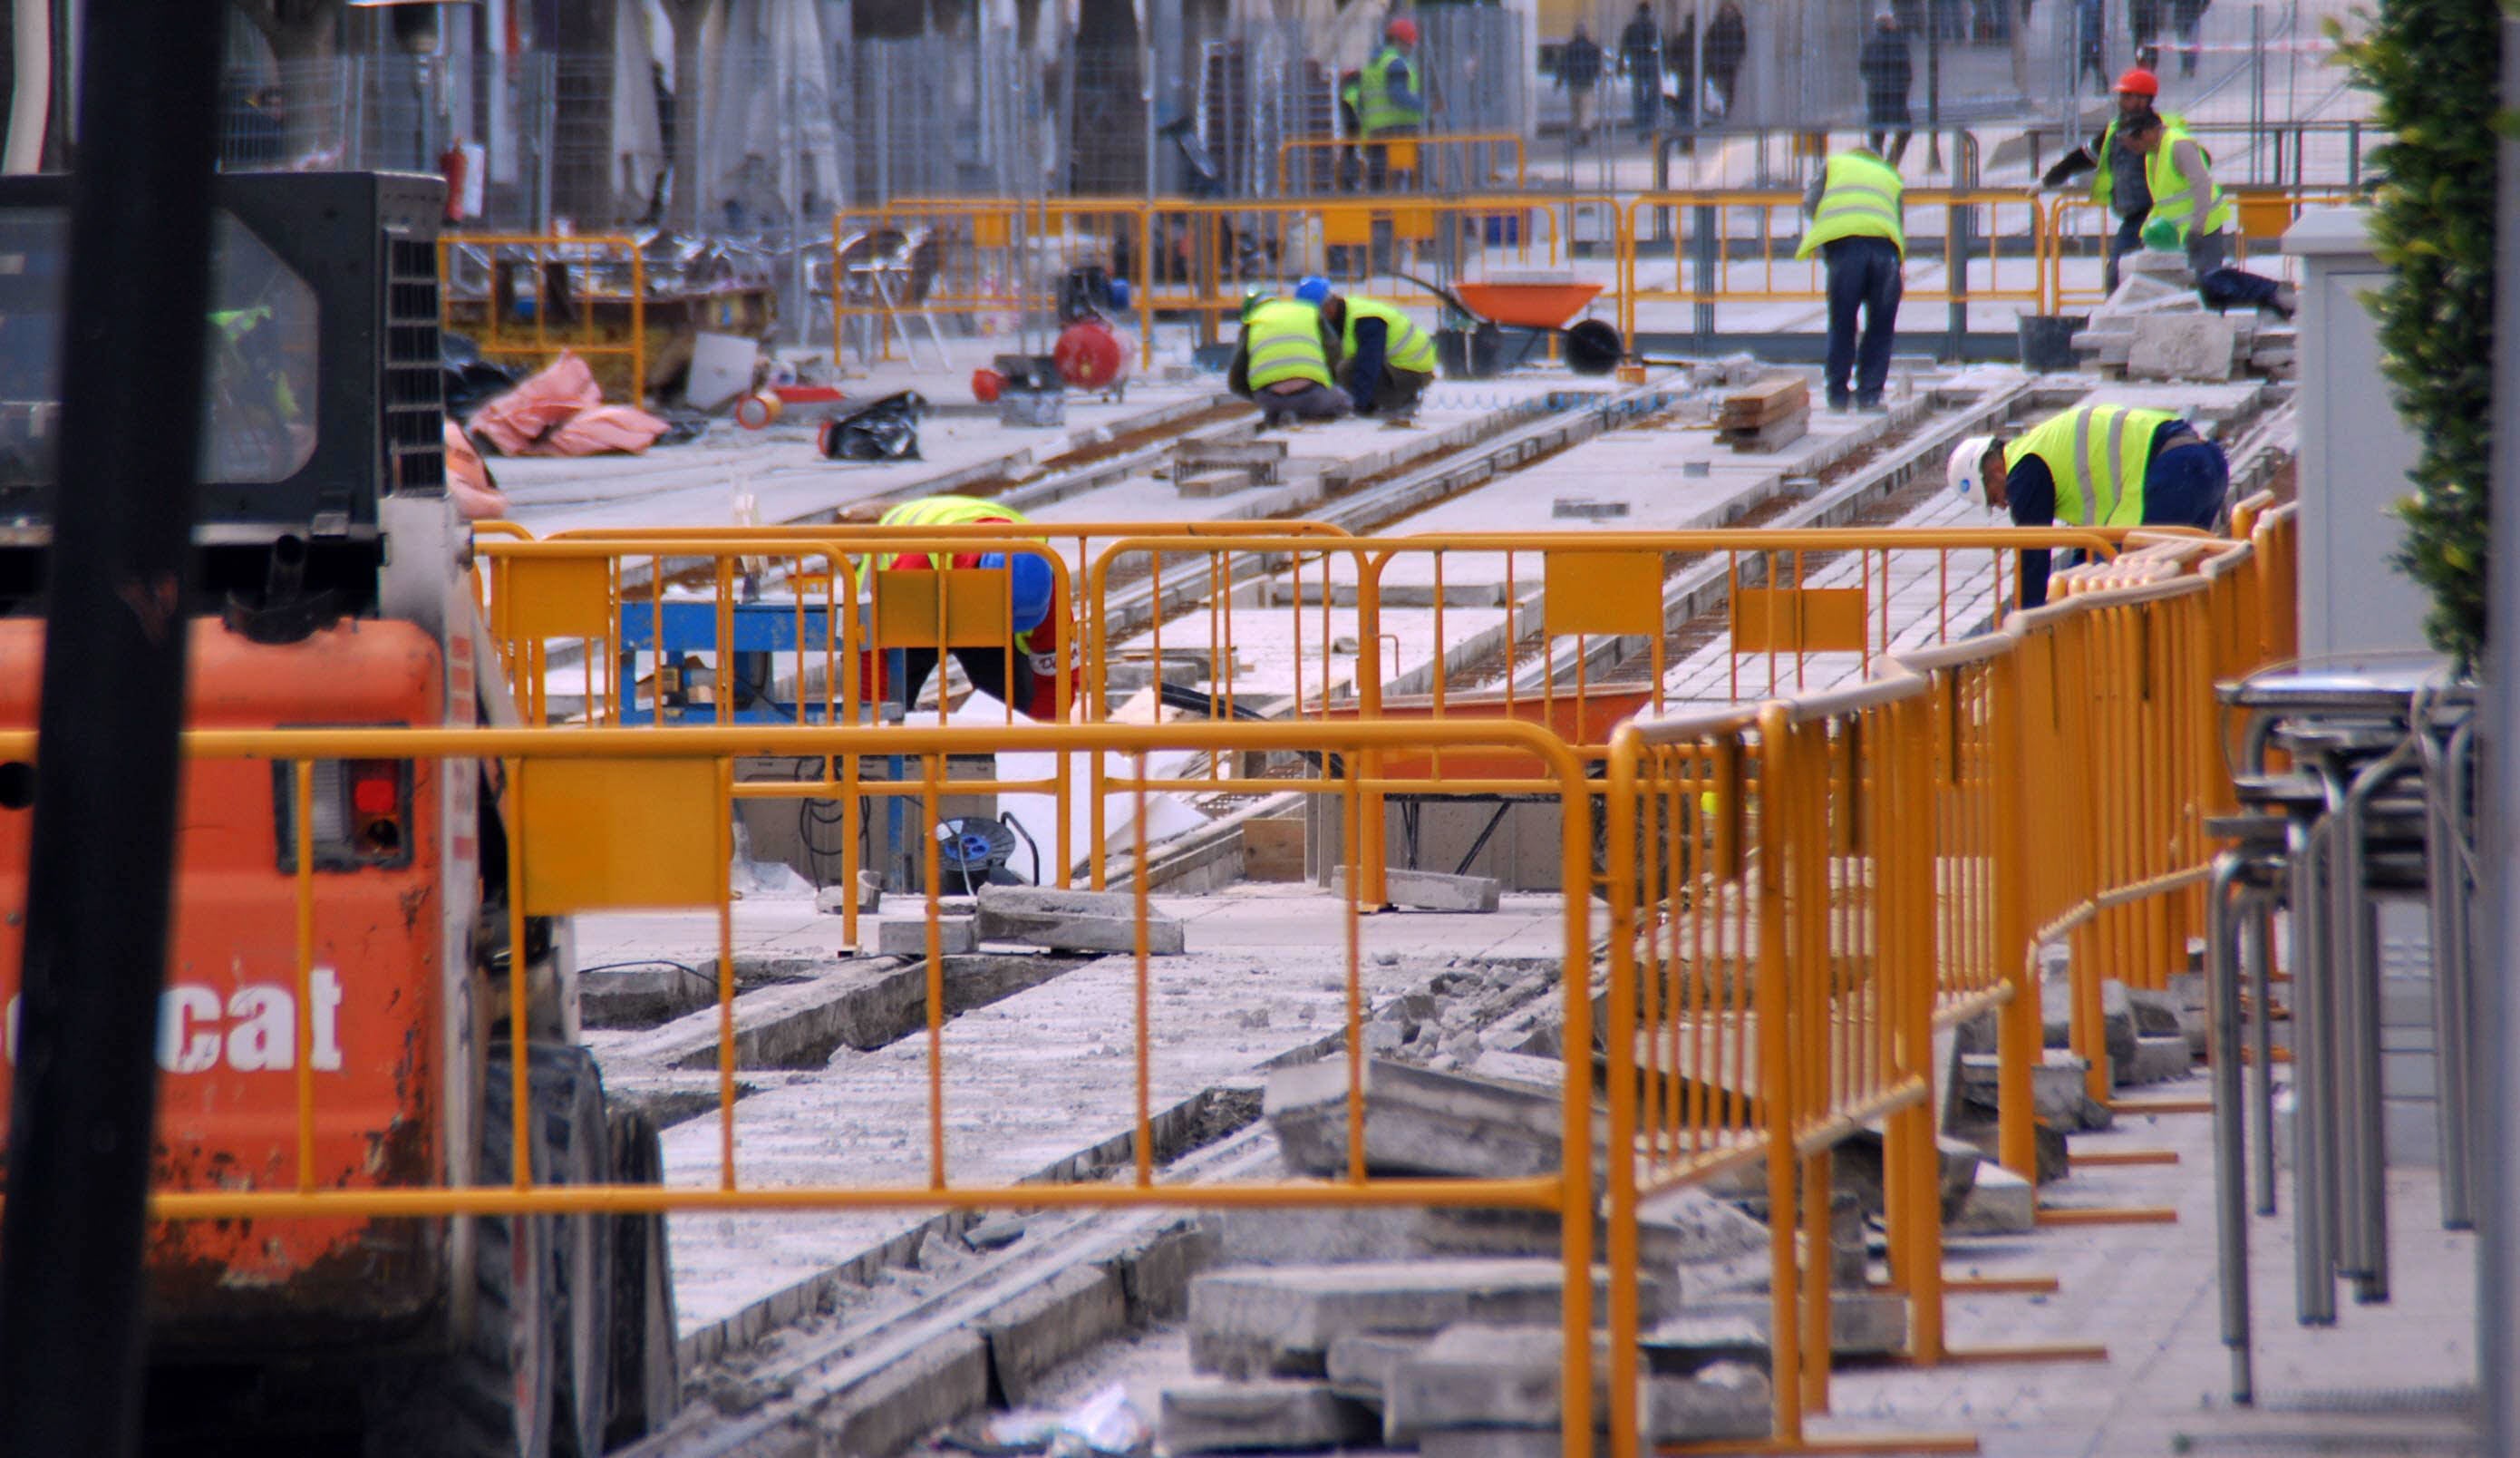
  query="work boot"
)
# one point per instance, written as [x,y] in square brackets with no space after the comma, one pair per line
[2287,298]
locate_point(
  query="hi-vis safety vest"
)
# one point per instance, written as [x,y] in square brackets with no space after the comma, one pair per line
[2172,201]
[1858,198]
[1405,346]
[944,511]
[2097,455]
[2104,186]
[1379,103]
[1286,344]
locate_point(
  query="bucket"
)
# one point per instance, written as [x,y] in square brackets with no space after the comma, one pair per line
[2047,341]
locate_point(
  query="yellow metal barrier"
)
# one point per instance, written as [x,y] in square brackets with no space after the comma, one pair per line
[1801,892]
[585,293]
[2080,231]
[1438,162]
[561,823]
[1728,247]
[990,260]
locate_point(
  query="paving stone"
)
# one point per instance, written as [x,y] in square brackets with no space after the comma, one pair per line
[2158,1061]
[1315,1237]
[1431,890]
[2057,1090]
[1257,1417]
[1510,1378]
[1045,1325]
[1416,1122]
[1249,1321]
[2002,1203]
[2180,346]
[907,936]
[1360,1364]
[1073,921]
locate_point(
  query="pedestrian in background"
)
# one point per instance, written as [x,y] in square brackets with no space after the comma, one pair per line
[1640,62]
[1728,45]
[1855,208]
[1888,72]
[2119,184]
[2185,17]
[1386,99]
[1579,71]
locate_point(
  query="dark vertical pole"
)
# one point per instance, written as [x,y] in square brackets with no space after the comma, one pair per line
[107,772]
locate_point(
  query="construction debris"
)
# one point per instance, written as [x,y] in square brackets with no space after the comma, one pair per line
[1430,891]
[1073,921]
[1769,415]
[1416,1122]
[1255,1321]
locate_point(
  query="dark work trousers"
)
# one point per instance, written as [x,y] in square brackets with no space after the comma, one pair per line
[1863,274]
[2185,484]
[985,667]
[2129,238]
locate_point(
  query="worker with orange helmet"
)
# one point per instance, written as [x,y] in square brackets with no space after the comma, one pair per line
[2118,183]
[1385,98]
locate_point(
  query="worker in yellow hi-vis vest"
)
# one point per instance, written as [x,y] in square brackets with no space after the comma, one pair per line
[1283,360]
[1855,207]
[2095,465]
[1023,674]
[1386,360]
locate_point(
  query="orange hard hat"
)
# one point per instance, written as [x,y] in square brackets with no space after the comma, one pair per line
[1401,30]
[2140,81]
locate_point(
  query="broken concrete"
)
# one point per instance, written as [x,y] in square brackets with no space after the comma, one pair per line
[1489,1377]
[1431,890]
[1267,1237]
[2180,346]
[2158,1060]
[2058,1093]
[1416,1122]
[907,936]
[1243,1416]
[1073,921]
[1280,1320]
[1061,1318]
[2002,1203]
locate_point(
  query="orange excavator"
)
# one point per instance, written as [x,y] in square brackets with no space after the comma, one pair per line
[334,593]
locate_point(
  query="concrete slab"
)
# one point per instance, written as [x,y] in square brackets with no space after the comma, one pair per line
[1430,891]
[1256,1320]
[907,936]
[2001,1203]
[1073,921]
[1416,1122]
[1259,1417]
[1473,1377]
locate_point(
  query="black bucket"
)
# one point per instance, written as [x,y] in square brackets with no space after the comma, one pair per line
[2047,341]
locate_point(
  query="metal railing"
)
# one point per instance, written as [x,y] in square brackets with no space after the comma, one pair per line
[1433,162]
[529,297]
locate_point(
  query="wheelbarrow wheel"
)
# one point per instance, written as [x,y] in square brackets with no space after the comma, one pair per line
[1593,348]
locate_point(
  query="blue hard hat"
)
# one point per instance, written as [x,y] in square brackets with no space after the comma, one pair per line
[1030,585]
[1313,289]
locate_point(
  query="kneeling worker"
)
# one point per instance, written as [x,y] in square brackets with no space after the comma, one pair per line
[1025,677]
[1282,361]
[1386,360]
[2095,466]
[1855,227]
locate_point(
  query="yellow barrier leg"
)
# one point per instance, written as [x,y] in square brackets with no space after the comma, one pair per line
[1819,1250]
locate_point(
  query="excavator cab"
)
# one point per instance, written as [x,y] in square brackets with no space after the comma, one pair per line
[329,590]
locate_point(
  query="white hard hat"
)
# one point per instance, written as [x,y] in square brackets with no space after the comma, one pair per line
[1966,457]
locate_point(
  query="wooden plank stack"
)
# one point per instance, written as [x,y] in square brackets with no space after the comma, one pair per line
[1774,413]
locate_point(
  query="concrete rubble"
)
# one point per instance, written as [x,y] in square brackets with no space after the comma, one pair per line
[907,936]
[1416,1122]
[1430,891]
[1073,921]
[1258,1321]
[2155,326]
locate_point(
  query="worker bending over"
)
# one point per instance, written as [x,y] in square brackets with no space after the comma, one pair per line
[2095,466]
[1025,677]
[1385,361]
[2191,212]
[1855,208]
[1283,362]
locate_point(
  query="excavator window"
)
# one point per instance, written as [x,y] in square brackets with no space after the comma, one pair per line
[260,358]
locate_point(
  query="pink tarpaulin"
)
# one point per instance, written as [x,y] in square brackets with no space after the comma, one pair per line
[561,412]
[467,479]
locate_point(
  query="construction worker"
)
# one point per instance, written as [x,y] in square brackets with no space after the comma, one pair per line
[1854,206]
[1385,361]
[1282,361]
[2190,212]
[2095,466]
[1027,678]
[1386,99]
[2118,182]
